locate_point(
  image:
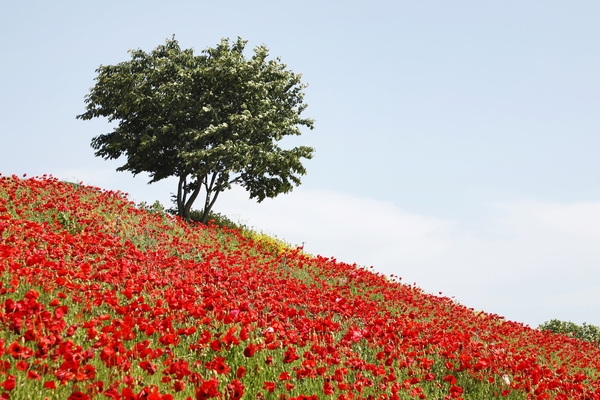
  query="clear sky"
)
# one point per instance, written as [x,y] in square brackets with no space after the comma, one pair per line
[456,141]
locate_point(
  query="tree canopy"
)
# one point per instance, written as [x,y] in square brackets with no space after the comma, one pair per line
[211,120]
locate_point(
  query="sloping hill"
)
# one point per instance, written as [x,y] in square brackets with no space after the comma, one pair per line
[100,299]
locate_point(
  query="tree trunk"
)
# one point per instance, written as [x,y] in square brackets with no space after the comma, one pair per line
[188,205]
[208,205]
[184,204]
[181,194]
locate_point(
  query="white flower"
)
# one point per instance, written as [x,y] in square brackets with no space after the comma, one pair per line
[269,330]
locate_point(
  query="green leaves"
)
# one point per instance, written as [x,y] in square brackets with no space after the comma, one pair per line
[215,118]
[585,332]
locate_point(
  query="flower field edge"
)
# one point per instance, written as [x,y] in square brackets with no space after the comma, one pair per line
[101,299]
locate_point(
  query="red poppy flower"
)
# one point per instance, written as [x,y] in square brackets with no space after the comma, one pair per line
[148,367]
[10,383]
[455,391]
[33,375]
[269,386]
[284,376]
[78,396]
[249,350]
[328,388]
[18,351]
[207,389]
[178,386]
[60,312]
[290,355]
[22,365]
[215,345]
[451,379]
[49,385]
[235,389]
[241,371]
[218,365]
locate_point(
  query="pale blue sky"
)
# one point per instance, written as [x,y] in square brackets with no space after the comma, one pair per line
[456,141]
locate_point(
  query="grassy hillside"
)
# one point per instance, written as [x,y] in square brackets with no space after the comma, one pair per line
[99,299]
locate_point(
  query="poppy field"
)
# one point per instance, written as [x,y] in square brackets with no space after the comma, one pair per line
[103,299]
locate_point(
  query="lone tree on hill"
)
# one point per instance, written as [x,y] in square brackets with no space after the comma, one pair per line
[211,120]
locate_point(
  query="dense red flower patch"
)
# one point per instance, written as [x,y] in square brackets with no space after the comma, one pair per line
[99,299]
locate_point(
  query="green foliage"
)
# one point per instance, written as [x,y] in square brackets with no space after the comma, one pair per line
[216,218]
[585,332]
[68,222]
[211,120]
[272,242]
[155,208]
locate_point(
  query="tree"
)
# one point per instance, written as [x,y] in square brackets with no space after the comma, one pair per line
[585,332]
[211,120]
